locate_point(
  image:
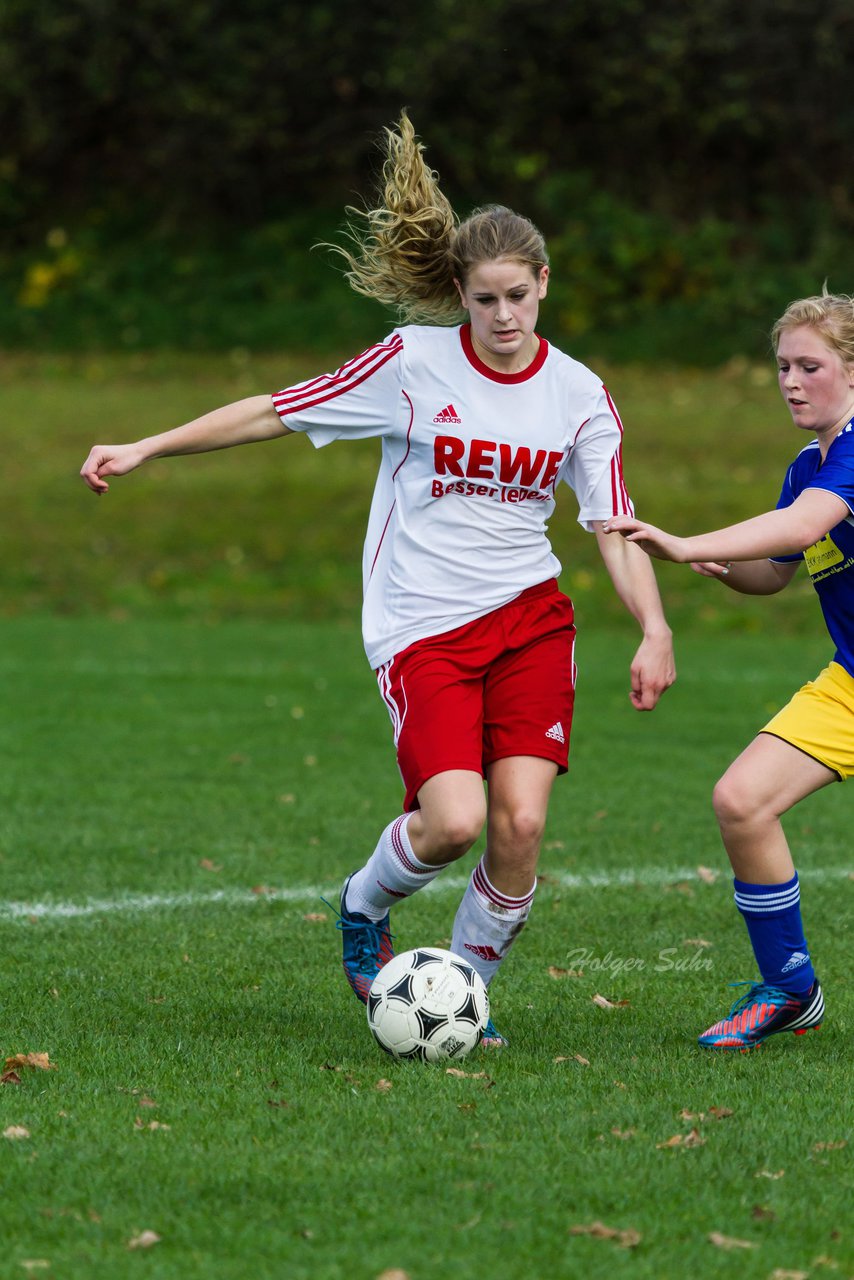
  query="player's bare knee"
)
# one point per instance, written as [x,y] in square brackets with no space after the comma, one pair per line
[520,828]
[452,832]
[735,802]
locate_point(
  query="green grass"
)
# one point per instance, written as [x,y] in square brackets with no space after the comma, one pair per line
[185,761]
[193,749]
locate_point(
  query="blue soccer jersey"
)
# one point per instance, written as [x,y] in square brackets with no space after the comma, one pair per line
[830,562]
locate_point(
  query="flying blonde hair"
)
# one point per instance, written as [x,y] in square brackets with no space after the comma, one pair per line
[409,249]
[832,314]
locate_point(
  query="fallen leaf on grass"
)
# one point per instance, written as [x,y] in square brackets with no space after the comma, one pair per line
[625,1239]
[139,1123]
[555,972]
[728,1242]
[144,1240]
[574,1057]
[10,1077]
[604,1003]
[16,1133]
[781,1274]
[207,865]
[316,917]
[383,1086]
[707,875]
[830,1146]
[394,1273]
[692,1139]
[40,1061]
[695,942]
[624,1133]
[716,1113]
[466,1075]
[762,1214]
[35,1264]
[766,1173]
[277,1102]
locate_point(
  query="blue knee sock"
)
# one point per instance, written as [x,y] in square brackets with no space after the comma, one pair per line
[772,913]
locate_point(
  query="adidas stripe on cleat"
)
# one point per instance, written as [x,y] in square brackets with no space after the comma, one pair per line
[761,1012]
[366,945]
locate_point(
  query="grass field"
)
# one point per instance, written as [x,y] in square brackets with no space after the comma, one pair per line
[193,752]
[175,798]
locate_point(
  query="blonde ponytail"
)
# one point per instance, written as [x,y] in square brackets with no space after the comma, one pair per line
[401,254]
[408,251]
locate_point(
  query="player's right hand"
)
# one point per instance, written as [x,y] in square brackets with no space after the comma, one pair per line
[109,460]
[711,568]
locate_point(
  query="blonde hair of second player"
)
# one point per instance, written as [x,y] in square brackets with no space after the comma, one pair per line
[831,314]
[410,248]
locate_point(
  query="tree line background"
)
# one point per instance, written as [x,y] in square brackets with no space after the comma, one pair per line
[165,169]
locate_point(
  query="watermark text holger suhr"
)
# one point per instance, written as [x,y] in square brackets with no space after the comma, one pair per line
[668,960]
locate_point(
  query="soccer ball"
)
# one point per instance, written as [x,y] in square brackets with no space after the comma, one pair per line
[427,1004]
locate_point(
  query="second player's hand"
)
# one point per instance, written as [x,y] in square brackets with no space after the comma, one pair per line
[655,542]
[711,568]
[109,460]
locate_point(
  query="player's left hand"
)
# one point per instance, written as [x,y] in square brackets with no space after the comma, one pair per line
[653,670]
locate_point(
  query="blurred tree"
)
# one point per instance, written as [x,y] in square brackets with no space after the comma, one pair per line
[210,110]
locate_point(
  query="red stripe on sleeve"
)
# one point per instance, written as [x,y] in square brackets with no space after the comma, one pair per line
[306,395]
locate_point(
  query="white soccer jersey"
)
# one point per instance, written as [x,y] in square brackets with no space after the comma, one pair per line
[471,459]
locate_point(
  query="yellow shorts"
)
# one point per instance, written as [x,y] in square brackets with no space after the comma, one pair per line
[820,720]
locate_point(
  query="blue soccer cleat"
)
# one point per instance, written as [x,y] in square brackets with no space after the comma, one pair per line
[492,1037]
[367,946]
[761,1012]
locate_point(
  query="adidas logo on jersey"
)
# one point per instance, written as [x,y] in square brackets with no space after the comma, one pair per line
[446,415]
[556,732]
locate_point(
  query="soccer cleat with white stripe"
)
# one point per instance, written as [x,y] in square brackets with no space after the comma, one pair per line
[763,1011]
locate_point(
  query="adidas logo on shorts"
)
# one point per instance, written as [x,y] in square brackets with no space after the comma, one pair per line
[556,732]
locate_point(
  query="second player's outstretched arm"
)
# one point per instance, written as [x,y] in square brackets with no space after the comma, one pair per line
[749,577]
[243,422]
[786,531]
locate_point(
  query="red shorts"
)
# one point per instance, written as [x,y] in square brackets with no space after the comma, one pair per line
[503,685]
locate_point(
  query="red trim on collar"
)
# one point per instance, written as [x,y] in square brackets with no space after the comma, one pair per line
[476,362]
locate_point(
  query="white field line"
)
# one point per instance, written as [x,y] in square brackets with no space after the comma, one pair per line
[310,894]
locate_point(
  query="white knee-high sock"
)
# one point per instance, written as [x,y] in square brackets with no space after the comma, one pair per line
[391,873]
[487,923]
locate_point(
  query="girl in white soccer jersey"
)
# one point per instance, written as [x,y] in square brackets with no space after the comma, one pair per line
[810,743]
[463,623]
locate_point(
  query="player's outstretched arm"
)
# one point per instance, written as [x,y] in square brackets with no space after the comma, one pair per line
[786,531]
[243,422]
[738,554]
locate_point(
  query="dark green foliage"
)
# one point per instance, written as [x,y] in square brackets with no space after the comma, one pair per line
[161,166]
[250,108]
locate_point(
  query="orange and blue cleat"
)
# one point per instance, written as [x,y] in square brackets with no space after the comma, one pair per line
[761,1012]
[367,946]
